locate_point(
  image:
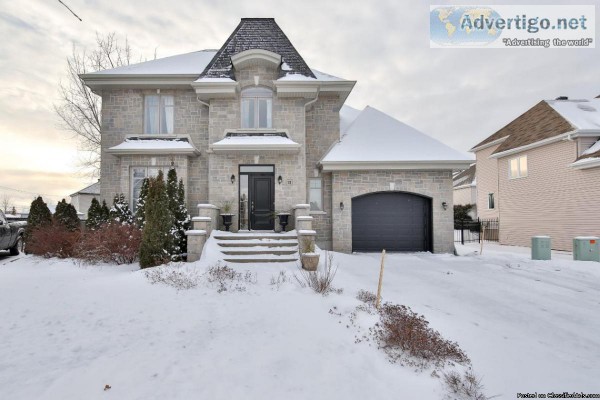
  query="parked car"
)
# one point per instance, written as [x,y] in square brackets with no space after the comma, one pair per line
[11,235]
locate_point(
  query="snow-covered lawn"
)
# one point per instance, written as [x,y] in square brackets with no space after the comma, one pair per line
[67,330]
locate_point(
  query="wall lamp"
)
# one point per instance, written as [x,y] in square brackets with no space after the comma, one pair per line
[232,179]
[444,205]
[342,205]
[280,179]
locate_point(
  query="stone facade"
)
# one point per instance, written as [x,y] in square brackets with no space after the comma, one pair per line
[436,185]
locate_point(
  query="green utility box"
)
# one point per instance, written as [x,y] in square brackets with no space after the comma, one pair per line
[586,248]
[540,248]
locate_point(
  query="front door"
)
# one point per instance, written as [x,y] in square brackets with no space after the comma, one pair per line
[261,200]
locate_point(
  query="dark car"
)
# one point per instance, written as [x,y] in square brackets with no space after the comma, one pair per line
[11,235]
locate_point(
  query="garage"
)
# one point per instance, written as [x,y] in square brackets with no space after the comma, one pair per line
[394,221]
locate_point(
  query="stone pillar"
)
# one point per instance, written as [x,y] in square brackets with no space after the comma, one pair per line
[300,210]
[202,224]
[304,222]
[306,237]
[196,241]
[209,211]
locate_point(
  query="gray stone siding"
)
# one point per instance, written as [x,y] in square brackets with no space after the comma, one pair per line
[434,184]
[123,115]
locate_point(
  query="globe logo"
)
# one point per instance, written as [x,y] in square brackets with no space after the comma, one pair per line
[451,26]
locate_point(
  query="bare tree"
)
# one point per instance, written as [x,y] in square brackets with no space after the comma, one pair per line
[6,203]
[79,109]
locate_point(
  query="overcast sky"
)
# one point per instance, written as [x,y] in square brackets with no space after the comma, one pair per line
[458,96]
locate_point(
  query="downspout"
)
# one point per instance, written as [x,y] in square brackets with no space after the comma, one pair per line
[202,102]
[313,101]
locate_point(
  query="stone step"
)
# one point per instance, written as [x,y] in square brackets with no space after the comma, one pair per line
[258,260]
[256,237]
[257,244]
[250,252]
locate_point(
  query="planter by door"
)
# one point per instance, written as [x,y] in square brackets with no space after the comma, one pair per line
[227,220]
[283,220]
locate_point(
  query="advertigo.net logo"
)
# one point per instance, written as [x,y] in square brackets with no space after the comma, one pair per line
[512,26]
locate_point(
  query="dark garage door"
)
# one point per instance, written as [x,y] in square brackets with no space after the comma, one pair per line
[394,221]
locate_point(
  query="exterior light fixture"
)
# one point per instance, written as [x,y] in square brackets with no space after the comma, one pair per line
[280,179]
[342,205]
[232,179]
[444,205]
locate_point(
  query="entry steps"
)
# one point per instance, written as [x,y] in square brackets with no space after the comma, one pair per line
[258,247]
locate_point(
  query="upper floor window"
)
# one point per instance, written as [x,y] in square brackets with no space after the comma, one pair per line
[257,105]
[518,167]
[158,114]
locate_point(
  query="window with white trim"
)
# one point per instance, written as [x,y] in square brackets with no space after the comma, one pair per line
[158,114]
[315,194]
[491,202]
[517,167]
[138,174]
[257,107]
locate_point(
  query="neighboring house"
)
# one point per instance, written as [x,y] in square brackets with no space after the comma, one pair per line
[540,174]
[465,189]
[82,199]
[253,124]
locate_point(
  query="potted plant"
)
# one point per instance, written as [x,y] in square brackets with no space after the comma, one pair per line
[226,214]
[283,217]
[308,257]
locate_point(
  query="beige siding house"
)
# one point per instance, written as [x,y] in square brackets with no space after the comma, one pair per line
[544,171]
[252,124]
[465,189]
[82,199]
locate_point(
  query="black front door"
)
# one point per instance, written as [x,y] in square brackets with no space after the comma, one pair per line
[261,198]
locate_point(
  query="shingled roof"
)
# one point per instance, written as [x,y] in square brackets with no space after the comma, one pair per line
[466,177]
[539,122]
[256,33]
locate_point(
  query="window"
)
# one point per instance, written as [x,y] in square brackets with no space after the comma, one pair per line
[518,167]
[138,174]
[491,203]
[158,114]
[257,104]
[315,195]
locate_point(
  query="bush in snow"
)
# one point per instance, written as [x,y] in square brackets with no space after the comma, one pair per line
[178,278]
[140,207]
[156,236]
[94,218]
[105,211]
[66,215]
[53,240]
[39,216]
[467,387]
[461,212]
[225,278]
[321,280]
[176,196]
[407,338]
[120,211]
[111,243]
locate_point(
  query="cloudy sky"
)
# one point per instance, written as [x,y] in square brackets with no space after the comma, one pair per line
[458,96]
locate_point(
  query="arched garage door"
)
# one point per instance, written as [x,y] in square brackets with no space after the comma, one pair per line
[394,221]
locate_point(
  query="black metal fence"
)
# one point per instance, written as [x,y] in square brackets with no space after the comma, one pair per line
[487,230]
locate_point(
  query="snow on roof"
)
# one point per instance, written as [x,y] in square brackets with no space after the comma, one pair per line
[94,188]
[594,148]
[215,80]
[154,146]
[347,117]
[376,137]
[322,76]
[182,64]
[582,114]
[256,142]
[297,77]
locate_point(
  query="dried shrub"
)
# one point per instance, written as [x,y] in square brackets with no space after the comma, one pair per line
[467,387]
[110,243]
[171,276]
[280,279]
[407,338]
[366,297]
[321,280]
[52,240]
[225,278]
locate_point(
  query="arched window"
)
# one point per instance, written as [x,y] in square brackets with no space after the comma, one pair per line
[257,104]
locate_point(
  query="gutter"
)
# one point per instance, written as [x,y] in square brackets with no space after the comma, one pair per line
[554,139]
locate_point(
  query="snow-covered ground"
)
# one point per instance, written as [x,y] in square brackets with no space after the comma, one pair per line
[66,331]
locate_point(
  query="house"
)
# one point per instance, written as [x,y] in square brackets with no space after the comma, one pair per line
[82,199]
[540,173]
[465,189]
[254,125]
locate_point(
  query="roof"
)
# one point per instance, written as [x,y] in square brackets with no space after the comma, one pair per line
[183,64]
[256,33]
[375,137]
[545,120]
[347,117]
[93,189]
[145,145]
[466,177]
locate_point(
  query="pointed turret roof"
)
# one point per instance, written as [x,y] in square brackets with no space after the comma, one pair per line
[256,33]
